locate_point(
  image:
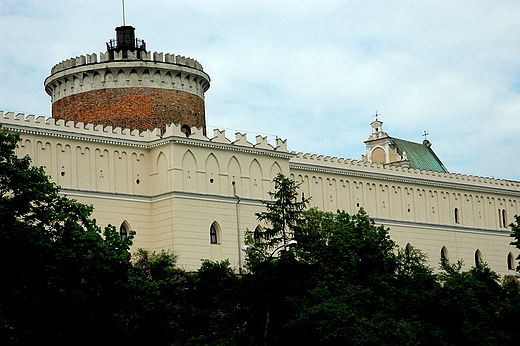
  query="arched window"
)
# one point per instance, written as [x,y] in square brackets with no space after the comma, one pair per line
[444,254]
[456,214]
[123,230]
[257,235]
[504,218]
[408,248]
[478,257]
[186,130]
[510,262]
[214,233]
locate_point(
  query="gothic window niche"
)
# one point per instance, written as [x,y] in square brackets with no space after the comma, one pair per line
[478,257]
[214,233]
[456,215]
[445,254]
[510,262]
[124,229]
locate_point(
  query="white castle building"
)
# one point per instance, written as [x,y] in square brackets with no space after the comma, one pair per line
[128,136]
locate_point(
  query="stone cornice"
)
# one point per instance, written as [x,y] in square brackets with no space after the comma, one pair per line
[439,227]
[73,193]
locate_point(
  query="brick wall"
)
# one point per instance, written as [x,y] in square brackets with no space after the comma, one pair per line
[134,108]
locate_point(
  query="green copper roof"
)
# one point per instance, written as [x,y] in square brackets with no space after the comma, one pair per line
[420,155]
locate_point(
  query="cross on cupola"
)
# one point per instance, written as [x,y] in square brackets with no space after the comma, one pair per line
[426,141]
[377,128]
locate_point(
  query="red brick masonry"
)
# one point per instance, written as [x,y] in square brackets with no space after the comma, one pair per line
[134,108]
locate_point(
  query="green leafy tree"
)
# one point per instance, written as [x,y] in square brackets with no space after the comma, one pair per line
[61,273]
[515,228]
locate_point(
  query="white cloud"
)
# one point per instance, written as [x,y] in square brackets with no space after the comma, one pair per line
[312,72]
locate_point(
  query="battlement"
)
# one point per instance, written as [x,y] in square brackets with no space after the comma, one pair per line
[328,162]
[22,123]
[131,56]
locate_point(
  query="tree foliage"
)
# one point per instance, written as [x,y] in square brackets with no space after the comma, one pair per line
[515,228]
[61,271]
[283,212]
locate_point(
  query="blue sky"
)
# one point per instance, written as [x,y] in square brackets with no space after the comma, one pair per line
[313,72]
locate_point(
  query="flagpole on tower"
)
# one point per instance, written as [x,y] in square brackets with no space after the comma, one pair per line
[124,19]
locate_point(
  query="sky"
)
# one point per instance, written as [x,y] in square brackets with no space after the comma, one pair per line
[311,72]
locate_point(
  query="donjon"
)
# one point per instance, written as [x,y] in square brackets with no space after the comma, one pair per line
[129,87]
[128,136]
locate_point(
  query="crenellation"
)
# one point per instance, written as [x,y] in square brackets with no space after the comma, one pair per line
[158,56]
[179,59]
[130,56]
[219,136]
[169,58]
[81,60]
[30,118]
[281,144]
[241,139]
[92,58]
[198,133]
[261,142]
[104,57]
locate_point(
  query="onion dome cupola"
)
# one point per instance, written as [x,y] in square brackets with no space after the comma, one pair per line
[129,87]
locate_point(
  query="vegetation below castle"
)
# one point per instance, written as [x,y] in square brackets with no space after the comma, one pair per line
[312,278]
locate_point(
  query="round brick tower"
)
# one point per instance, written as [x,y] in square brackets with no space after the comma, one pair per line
[129,87]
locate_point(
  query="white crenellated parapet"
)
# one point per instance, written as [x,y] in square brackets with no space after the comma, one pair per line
[145,56]
[107,134]
[397,171]
[153,70]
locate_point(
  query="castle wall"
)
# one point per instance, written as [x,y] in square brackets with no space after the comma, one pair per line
[170,189]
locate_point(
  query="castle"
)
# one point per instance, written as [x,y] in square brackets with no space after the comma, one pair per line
[128,135]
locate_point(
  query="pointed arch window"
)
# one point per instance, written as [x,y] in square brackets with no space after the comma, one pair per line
[478,257]
[214,235]
[257,235]
[123,230]
[510,262]
[444,254]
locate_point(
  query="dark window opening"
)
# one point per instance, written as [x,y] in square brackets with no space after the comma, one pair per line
[478,257]
[123,232]
[456,214]
[186,130]
[213,238]
[510,262]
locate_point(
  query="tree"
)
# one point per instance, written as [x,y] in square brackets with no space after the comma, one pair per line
[62,273]
[283,212]
[515,228]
